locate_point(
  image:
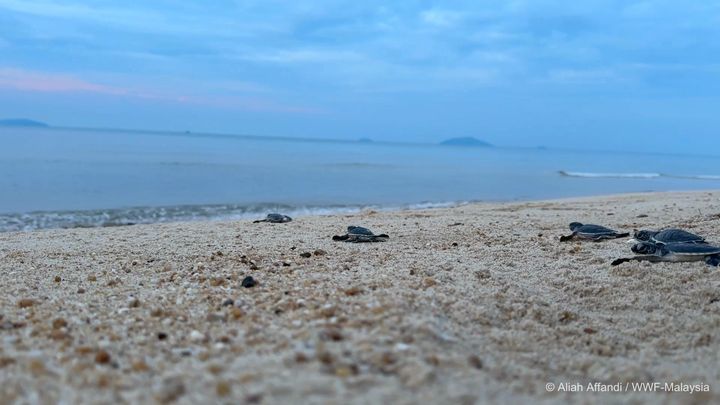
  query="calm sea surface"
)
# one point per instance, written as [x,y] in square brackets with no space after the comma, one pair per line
[67,178]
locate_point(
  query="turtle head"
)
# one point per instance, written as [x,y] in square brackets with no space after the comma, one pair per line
[575,225]
[644,235]
[644,248]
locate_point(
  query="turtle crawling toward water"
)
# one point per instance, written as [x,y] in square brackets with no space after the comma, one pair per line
[671,235]
[591,232]
[358,234]
[673,252]
[275,219]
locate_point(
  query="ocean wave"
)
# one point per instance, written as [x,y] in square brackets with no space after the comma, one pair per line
[359,165]
[699,177]
[610,175]
[183,213]
[638,175]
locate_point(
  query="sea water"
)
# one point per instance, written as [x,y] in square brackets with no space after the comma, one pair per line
[53,177]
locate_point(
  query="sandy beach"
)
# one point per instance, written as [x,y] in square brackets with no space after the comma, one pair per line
[473,304]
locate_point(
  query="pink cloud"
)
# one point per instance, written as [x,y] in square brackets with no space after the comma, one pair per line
[33,81]
[25,80]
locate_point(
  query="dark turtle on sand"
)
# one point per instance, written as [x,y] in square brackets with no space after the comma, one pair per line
[357,234]
[673,252]
[672,235]
[591,232]
[275,219]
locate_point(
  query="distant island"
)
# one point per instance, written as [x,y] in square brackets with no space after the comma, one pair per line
[21,122]
[365,140]
[466,141]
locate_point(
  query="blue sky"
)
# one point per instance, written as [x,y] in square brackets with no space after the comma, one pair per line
[594,74]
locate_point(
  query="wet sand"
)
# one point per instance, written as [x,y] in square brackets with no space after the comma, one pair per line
[471,304]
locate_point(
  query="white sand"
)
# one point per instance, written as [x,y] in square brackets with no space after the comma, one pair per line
[412,320]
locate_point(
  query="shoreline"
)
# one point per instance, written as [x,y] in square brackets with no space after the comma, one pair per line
[475,303]
[147,215]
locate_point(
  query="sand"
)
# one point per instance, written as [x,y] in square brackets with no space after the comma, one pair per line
[473,304]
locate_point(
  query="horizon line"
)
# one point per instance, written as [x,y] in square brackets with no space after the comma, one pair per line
[361,140]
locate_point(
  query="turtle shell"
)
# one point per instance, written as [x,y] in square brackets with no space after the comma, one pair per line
[359,230]
[676,236]
[591,229]
[691,249]
[277,218]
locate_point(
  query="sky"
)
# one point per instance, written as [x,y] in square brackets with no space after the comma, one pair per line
[579,74]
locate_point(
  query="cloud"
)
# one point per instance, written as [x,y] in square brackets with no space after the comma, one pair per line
[292,56]
[18,79]
[585,76]
[251,104]
[183,19]
[44,82]
[441,18]
[272,55]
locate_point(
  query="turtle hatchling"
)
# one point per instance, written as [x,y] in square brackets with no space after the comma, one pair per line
[591,232]
[672,235]
[357,234]
[275,219]
[673,252]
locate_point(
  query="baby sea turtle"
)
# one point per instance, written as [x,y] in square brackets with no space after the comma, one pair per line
[591,232]
[275,219]
[358,234]
[672,235]
[673,252]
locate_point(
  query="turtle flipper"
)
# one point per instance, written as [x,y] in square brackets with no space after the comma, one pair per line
[568,237]
[602,237]
[640,258]
[621,261]
[713,260]
[259,220]
[340,237]
[354,238]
